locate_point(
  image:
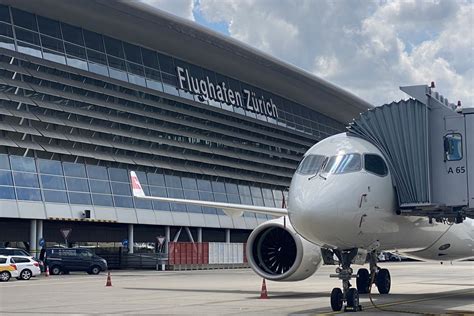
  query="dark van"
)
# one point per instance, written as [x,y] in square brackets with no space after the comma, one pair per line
[63,260]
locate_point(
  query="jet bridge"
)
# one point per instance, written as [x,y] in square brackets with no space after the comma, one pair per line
[428,144]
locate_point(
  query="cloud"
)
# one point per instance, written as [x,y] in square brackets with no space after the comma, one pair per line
[182,8]
[367,47]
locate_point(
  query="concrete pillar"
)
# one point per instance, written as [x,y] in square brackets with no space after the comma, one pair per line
[39,232]
[227,235]
[33,243]
[199,237]
[167,238]
[130,238]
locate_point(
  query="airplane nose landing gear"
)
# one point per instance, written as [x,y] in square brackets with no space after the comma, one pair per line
[348,294]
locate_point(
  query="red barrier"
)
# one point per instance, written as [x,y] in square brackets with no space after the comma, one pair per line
[188,253]
[171,253]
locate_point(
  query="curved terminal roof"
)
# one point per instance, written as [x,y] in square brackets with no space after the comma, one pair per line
[147,26]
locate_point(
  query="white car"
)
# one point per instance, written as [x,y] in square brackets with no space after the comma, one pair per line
[27,267]
[8,269]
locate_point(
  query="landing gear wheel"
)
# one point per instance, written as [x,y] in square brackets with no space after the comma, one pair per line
[353,299]
[336,299]
[383,282]
[363,281]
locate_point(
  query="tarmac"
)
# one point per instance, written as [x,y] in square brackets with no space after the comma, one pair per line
[417,288]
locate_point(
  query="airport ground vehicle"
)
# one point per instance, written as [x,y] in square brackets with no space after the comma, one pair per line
[64,260]
[7,269]
[26,266]
[21,252]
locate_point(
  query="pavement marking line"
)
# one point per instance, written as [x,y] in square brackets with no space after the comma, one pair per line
[368,307]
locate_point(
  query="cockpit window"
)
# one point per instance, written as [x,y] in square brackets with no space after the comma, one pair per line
[310,164]
[343,164]
[375,164]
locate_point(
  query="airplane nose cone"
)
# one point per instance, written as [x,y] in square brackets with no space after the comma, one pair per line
[313,209]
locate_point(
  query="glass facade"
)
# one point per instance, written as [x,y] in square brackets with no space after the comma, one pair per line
[79,48]
[30,179]
[79,110]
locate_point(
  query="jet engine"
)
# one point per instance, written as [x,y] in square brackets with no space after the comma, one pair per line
[277,253]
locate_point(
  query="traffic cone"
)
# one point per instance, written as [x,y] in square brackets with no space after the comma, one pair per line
[263,292]
[109,280]
[46,273]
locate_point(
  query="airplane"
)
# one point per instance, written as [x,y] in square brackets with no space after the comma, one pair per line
[341,203]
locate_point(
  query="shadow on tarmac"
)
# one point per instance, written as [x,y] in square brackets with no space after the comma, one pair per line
[450,302]
[255,294]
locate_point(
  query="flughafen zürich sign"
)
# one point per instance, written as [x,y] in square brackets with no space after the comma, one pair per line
[245,99]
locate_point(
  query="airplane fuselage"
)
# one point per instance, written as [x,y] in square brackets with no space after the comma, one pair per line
[350,202]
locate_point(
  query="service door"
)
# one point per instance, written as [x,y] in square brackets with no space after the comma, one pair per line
[453,173]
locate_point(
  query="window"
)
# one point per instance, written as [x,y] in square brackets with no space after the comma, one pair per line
[6,29]
[52,43]
[49,27]
[132,53]
[102,199]
[28,194]
[113,47]
[97,172]
[189,183]
[23,163]
[94,40]
[50,167]
[121,188]
[343,164]
[310,164]
[156,179]
[5,177]
[24,19]
[52,182]
[453,147]
[29,180]
[84,253]
[123,201]
[55,196]
[72,34]
[80,198]
[20,260]
[74,170]
[77,184]
[4,14]
[118,174]
[7,193]
[173,181]
[375,164]
[150,59]
[98,186]
[3,260]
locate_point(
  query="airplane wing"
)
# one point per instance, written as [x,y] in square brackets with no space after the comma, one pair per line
[230,209]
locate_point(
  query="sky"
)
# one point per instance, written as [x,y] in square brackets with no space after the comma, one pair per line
[369,48]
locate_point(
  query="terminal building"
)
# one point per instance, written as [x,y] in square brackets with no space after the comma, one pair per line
[92,89]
